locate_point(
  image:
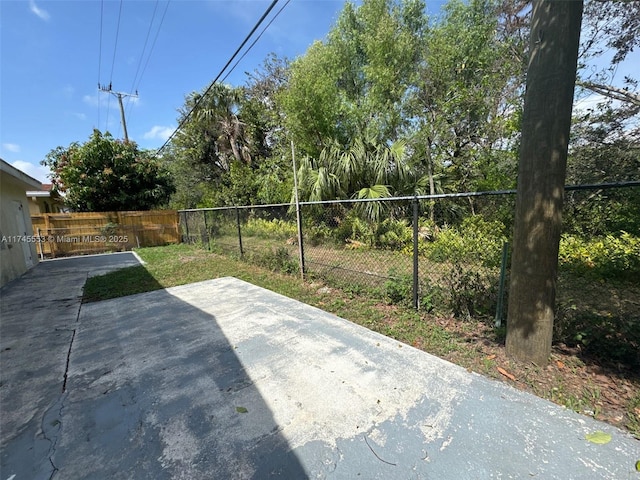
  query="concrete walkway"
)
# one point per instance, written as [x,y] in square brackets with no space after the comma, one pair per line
[225,380]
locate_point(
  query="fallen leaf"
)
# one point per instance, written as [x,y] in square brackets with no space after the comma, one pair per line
[241,410]
[506,374]
[491,357]
[560,364]
[638,465]
[598,437]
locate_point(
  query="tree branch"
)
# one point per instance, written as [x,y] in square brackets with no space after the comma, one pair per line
[612,92]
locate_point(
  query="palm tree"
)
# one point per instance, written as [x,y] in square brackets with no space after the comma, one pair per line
[365,170]
[220,111]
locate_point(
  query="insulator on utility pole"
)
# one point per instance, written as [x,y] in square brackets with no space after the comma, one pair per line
[120,96]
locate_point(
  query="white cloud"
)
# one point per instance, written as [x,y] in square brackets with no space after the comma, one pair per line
[158,132]
[91,100]
[39,172]
[43,14]
[11,147]
[97,100]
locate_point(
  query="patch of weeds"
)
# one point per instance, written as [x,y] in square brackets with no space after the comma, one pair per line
[559,395]
[633,416]
[278,260]
[500,333]
[431,297]
[399,288]
[592,396]
[471,292]
[488,364]
[439,341]
[357,290]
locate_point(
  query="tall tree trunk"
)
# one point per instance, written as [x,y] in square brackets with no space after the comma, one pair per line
[546,123]
[432,185]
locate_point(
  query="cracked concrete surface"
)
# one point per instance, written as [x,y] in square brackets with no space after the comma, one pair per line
[38,315]
[222,379]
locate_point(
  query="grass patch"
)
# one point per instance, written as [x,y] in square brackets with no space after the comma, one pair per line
[127,281]
[571,379]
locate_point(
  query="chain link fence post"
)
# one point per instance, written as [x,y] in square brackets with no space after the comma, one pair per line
[300,240]
[239,231]
[186,226]
[206,229]
[501,287]
[415,253]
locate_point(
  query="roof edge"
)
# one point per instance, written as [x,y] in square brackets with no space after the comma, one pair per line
[29,181]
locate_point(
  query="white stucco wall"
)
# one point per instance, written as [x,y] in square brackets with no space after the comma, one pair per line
[16,255]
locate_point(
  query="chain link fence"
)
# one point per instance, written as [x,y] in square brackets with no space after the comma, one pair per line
[448,254]
[427,252]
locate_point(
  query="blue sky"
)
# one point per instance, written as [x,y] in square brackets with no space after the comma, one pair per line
[55,52]
[53,58]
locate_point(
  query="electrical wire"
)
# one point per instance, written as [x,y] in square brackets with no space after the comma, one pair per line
[135,88]
[255,41]
[188,115]
[144,49]
[113,62]
[146,40]
[100,57]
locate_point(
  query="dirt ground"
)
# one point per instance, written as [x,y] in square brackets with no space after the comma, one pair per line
[610,393]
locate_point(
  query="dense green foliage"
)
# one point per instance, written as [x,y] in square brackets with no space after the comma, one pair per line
[616,257]
[229,152]
[105,174]
[395,102]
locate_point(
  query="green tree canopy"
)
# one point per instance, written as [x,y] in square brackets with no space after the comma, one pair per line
[230,149]
[467,102]
[353,85]
[104,174]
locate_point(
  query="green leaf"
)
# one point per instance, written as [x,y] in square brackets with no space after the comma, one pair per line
[638,465]
[241,410]
[598,437]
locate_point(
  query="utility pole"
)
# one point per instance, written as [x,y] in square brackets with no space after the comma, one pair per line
[119,96]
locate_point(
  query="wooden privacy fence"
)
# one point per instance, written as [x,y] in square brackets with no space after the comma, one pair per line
[64,234]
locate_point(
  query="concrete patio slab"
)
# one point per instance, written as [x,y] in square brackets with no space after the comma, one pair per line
[38,318]
[225,380]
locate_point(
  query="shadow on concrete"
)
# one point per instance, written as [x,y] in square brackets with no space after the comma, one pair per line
[152,388]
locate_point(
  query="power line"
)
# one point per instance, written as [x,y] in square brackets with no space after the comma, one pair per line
[184,120]
[151,49]
[255,41]
[144,47]
[113,62]
[100,56]
[154,42]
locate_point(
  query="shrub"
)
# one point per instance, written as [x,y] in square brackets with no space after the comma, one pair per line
[271,229]
[471,291]
[474,241]
[277,260]
[393,234]
[432,297]
[353,228]
[316,234]
[602,257]
[399,288]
